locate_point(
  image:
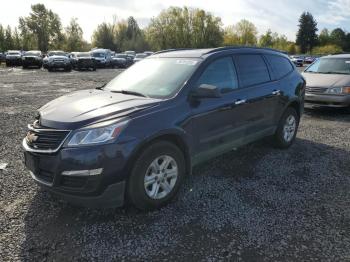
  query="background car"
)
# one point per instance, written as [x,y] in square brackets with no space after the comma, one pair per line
[103,57]
[148,53]
[130,53]
[328,81]
[297,60]
[309,59]
[122,60]
[83,60]
[2,57]
[139,57]
[32,59]
[57,60]
[13,58]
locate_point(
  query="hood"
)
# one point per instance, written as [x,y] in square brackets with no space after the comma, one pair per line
[85,107]
[326,80]
[13,56]
[32,56]
[58,56]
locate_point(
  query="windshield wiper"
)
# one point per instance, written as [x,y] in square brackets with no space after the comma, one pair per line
[336,73]
[101,87]
[128,92]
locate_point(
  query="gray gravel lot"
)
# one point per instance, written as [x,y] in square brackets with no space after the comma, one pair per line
[256,203]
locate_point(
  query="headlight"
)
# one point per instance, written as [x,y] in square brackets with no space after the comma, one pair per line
[334,90]
[97,134]
[346,90]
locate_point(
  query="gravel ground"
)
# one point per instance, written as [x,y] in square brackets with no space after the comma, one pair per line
[252,204]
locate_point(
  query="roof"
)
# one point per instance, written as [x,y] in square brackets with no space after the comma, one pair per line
[338,56]
[202,53]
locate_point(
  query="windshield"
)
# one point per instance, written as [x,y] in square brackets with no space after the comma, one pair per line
[155,77]
[330,66]
[98,54]
[58,53]
[33,53]
[83,55]
[121,56]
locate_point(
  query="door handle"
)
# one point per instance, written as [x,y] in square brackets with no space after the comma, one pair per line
[240,102]
[276,92]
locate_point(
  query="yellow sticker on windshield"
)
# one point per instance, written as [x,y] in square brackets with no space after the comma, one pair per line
[186,62]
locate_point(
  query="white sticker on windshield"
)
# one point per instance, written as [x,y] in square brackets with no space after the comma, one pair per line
[186,62]
[347,62]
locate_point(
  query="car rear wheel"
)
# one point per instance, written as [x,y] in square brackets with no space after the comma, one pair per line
[156,176]
[287,129]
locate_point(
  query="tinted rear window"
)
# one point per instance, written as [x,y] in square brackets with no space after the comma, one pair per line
[252,70]
[279,65]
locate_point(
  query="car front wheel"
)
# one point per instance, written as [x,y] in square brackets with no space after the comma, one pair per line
[287,129]
[156,176]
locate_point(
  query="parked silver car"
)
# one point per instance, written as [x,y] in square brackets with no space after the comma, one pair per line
[328,81]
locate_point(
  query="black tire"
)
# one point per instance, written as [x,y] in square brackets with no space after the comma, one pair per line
[24,67]
[49,69]
[68,69]
[279,140]
[136,192]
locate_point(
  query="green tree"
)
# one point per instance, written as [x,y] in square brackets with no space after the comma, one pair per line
[17,43]
[347,46]
[338,37]
[307,33]
[183,28]
[45,25]
[8,39]
[129,36]
[28,40]
[242,33]
[266,39]
[103,36]
[324,37]
[2,38]
[74,37]
[327,49]
[246,32]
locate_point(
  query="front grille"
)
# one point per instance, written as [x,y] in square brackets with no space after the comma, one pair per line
[45,138]
[316,90]
[58,60]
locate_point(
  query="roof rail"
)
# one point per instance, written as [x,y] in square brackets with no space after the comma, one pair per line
[172,50]
[239,46]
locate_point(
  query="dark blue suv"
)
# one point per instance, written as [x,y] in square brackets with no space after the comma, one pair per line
[137,138]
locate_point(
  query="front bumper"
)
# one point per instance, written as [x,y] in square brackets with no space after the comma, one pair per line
[14,61]
[101,190]
[327,100]
[58,65]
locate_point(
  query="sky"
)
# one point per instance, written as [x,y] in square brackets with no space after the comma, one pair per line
[280,16]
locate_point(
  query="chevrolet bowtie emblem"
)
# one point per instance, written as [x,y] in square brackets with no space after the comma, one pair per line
[31,137]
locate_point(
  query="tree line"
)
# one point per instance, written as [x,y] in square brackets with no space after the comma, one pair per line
[174,27]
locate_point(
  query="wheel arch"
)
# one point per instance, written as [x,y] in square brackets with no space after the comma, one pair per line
[174,137]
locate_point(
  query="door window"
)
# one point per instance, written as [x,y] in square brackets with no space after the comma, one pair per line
[220,73]
[252,70]
[280,65]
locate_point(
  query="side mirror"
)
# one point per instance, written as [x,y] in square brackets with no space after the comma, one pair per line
[206,91]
